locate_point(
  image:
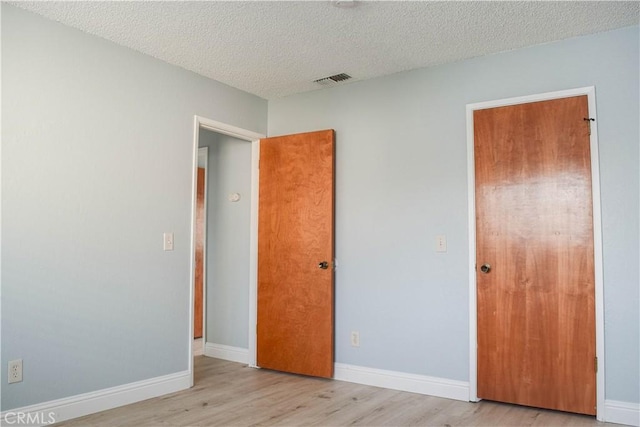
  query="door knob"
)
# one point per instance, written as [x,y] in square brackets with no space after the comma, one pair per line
[323,265]
[485,268]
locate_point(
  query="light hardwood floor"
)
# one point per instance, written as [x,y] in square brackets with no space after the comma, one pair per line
[231,394]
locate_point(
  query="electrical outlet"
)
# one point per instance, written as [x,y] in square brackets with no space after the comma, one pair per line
[15,371]
[355,339]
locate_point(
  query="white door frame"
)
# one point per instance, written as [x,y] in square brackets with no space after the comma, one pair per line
[246,135]
[597,234]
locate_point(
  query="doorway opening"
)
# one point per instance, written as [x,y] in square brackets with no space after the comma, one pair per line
[226,143]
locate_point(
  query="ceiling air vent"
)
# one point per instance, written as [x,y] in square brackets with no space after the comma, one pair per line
[333,79]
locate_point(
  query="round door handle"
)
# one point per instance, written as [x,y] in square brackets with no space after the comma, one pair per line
[323,265]
[485,268]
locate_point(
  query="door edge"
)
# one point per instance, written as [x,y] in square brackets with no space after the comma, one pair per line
[589,91]
[203,157]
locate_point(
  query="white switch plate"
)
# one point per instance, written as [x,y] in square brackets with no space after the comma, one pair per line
[168,241]
[441,243]
[355,339]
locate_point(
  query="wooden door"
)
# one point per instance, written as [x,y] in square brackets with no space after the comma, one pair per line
[199,273]
[536,327]
[295,235]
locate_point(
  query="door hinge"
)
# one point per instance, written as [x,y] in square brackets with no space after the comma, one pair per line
[596,363]
[589,120]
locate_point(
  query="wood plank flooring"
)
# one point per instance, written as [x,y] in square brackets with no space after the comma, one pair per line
[231,394]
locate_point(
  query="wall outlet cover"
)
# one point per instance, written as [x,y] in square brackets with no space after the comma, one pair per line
[15,371]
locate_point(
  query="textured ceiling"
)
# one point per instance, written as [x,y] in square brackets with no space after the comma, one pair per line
[277,48]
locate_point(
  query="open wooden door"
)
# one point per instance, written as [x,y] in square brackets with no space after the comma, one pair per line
[199,268]
[295,254]
[535,255]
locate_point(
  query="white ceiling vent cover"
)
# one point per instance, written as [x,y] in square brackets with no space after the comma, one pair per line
[338,78]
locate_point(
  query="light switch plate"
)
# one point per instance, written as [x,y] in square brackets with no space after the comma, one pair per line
[168,241]
[441,243]
[355,339]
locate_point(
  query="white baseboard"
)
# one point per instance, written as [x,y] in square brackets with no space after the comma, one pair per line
[227,352]
[621,413]
[90,403]
[422,384]
[101,400]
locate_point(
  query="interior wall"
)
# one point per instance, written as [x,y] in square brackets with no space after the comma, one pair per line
[228,238]
[401,180]
[97,162]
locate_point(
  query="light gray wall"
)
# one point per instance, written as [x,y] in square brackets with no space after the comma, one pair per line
[402,179]
[228,237]
[97,153]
